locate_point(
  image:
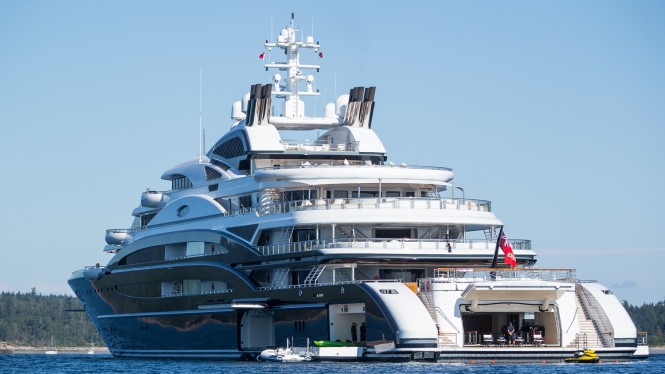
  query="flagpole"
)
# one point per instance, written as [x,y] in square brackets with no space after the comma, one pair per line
[496,254]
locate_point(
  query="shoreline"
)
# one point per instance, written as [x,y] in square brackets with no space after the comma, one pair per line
[657,350]
[60,350]
[653,350]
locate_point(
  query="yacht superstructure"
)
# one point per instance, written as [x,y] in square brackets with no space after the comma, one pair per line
[270,236]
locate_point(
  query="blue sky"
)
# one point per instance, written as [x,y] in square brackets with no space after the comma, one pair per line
[552,110]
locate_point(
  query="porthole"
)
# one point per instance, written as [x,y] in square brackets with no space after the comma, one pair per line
[183,210]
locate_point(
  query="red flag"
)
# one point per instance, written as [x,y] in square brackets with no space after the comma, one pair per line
[262,55]
[507,250]
[320,54]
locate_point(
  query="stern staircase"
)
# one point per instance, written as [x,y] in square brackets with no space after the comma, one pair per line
[595,329]
[426,297]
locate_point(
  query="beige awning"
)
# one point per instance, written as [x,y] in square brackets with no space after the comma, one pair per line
[516,291]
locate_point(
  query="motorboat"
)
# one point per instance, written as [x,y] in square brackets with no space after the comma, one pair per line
[287,354]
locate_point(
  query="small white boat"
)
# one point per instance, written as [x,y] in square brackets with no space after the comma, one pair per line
[287,354]
[51,350]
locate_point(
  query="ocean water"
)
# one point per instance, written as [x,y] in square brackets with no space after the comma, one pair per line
[81,363]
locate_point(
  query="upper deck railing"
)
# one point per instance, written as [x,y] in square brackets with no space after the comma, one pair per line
[318,146]
[450,245]
[330,204]
[375,203]
[518,274]
[346,163]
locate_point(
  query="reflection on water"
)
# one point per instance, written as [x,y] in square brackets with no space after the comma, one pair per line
[94,364]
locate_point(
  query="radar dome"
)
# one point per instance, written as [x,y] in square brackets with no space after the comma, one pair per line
[340,104]
[245,101]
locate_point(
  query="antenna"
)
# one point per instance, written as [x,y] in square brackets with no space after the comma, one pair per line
[201,139]
[335,84]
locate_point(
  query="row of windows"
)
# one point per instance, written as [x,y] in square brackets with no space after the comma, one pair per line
[212,174]
[181,183]
[342,194]
[230,149]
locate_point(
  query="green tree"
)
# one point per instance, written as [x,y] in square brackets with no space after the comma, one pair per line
[31,319]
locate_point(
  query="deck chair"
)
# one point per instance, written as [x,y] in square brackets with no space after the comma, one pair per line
[488,340]
[537,340]
[519,341]
[501,341]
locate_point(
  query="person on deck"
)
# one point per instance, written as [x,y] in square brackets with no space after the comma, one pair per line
[526,332]
[363,333]
[510,330]
[534,332]
[354,332]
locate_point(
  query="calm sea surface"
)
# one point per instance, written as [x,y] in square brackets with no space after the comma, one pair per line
[74,363]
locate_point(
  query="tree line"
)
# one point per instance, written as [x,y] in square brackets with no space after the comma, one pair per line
[31,319]
[650,318]
[34,320]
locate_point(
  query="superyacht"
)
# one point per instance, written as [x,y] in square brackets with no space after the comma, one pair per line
[270,236]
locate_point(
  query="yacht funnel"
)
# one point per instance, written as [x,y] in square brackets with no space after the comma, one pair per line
[258,107]
[360,108]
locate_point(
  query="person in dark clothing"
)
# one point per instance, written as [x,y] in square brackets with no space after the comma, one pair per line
[510,330]
[526,332]
[363,332]
[354,332]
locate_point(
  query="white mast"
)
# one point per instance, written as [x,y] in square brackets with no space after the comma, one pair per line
[287,40]
[201,141]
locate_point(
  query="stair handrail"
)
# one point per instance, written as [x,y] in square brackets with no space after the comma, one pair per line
[574,318]
[438,310]
[601,323]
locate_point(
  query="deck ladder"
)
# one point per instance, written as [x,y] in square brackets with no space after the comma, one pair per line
[285,235]
[490,234]
[349,232]
[279,276]
[314,274]
[440,233]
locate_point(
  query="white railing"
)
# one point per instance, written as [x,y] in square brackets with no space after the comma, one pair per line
[334,204]
[375,203]
[520,274]
[447,245]
[298,164]
[336,283]
[318,146]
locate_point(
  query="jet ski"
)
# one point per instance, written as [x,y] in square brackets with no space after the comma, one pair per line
[587,356]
